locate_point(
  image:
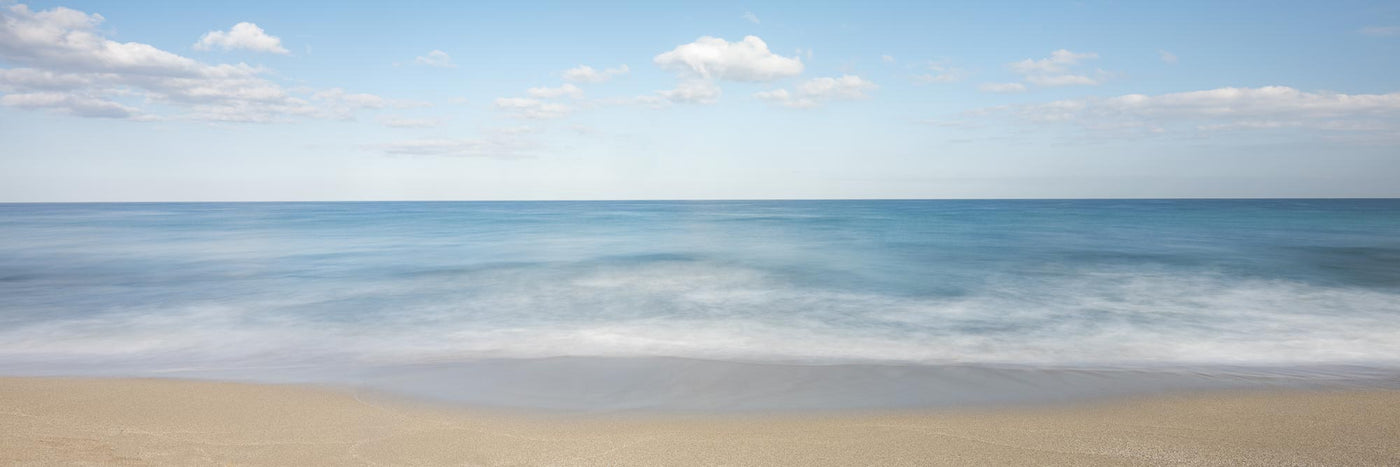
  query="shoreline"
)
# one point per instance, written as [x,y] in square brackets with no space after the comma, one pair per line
[691,385]
[161,421]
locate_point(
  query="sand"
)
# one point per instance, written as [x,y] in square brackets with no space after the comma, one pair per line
[170,422]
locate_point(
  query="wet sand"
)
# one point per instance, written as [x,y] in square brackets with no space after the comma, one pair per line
[173,422]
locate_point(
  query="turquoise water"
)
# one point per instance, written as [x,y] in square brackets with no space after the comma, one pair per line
[294,288]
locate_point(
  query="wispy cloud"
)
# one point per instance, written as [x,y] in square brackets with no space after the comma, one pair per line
[750,17]
[814,92]
[939,73]
[694,91]
[403,122]
[436,58]
[521,107]
[586,74]
[499,143]
[1002,88]
[551,93]
[1220,109]
[1380,31]
[72,104]
[1055,70]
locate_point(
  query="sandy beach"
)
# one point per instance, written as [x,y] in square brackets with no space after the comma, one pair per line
[172,422]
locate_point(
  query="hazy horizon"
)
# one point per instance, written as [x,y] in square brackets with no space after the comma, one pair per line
[664,200]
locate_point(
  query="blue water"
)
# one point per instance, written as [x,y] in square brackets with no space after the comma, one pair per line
[150,288]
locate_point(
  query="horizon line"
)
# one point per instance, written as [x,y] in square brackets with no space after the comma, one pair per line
[600,200]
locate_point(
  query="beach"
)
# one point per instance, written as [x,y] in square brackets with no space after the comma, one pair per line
[656,234]
[178,422]
[850,332]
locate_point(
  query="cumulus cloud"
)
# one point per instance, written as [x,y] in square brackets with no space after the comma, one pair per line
[67,40]
[1054,70]
[699,64]
[245,35]
[1223,108]
[712,58]
[64,64]
[551,93]
[1002,88]
[586,74]
[502,143]
[535,109]
[435,58]
[816,91]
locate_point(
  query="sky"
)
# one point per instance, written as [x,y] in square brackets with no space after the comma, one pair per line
[346,100]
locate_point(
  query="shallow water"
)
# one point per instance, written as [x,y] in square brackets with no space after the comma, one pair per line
[392,293]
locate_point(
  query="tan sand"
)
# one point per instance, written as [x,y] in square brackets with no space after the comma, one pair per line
[108,421]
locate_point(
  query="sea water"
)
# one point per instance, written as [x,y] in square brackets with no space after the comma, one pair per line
[733,303]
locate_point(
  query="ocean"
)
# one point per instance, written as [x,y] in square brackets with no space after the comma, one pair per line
[710,304]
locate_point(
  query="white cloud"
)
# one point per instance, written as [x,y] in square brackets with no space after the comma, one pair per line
[816,91]
[586,74]
[521,107]
[750,17]
[1380,31]
[1055,69]
[67,66]
[1002,88]
[845,87]
[369,101]
[402,122]
[1058,62]
[245,35]
[436,58]
[1167,57]
[748,60]
[337,103]
[1224,108]
[1061,80]
[83,106]
[700,64]
[694,91]
[550,93]
[887,58]
[29,78]
[783,97]
[62,39]
[942,74]
[501,143]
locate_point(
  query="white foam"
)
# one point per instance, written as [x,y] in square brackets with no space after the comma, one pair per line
[725,311]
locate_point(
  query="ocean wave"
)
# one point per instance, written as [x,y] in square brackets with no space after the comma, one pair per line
[680,306]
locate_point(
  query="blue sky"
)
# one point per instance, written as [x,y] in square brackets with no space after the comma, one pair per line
[166,101]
